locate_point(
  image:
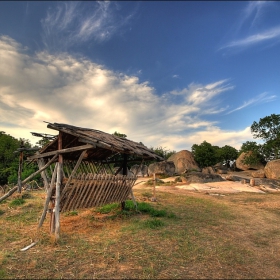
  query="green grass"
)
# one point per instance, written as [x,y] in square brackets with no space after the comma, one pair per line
[72,213]
[17,202]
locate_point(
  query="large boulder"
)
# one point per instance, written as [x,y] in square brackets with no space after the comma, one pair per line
[184,161]
[240,165]
[272,169]
[199,177]
[163,167]
[142,172]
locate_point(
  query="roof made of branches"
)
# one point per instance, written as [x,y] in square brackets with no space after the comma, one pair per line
[101,145]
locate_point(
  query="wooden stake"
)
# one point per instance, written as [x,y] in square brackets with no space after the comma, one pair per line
[48,197]
[57,200]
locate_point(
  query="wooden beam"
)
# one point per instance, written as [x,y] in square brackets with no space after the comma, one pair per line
[63,151]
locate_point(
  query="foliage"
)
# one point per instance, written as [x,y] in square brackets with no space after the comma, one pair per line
[226,154]
[9,159]
[205,154]
[252,150]
[268,129]
[116,133]
[163,152]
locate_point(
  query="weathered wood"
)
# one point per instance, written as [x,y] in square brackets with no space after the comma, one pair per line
[57,200]
[74,171]
[20,170]
[28,178]
[28,247]
[41,163]
[62,151]
[48,197]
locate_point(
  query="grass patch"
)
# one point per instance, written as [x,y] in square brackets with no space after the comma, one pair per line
[17,202]
[72,213]
[108,208]
[2,212]
[153,223]
[194,236]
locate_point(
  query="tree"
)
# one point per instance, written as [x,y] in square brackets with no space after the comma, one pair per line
[253,153]
[227,154]
[8,159]
[205,154]
[163,152]
[268,129]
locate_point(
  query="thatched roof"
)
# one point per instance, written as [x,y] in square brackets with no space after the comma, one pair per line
[101,145]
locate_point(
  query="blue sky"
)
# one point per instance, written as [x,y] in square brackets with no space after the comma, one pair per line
[165,73]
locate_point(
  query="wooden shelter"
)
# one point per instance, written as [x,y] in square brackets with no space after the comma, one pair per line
[77,169]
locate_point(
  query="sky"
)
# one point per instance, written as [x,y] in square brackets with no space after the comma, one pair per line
[169,74]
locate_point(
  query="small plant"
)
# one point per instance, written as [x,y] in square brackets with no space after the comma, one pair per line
[72,213]
[2,212]
[153,223]
[108,208]
[147,194]
[17,202]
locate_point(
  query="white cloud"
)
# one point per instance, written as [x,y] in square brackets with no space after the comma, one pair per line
[273,33]
[251,23]
[71,23]
[261,98]
[64,89]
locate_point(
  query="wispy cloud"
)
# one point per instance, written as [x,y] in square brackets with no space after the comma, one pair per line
[72,23]
[273,33]
[261,98]
[250,28]
[63,88]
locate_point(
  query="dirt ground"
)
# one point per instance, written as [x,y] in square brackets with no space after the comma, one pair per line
[212,188]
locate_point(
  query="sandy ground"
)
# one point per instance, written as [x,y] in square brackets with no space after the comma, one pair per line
[211,188]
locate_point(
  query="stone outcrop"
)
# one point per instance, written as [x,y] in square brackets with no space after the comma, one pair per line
[272,169]
[258,173]
[240,165]
[142,172]
[163,167]
[199,177]
[184,161]
[208,170]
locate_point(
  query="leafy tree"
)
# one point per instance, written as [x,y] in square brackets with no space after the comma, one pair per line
[163,152]
[227,154]
[253,151]
[205,154]
[8,159]
[268,129]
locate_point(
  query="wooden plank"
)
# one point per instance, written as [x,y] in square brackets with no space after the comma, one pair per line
[63,151]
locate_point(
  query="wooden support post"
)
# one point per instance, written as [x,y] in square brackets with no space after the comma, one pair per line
[20,167]
[57,200]
[48,197]
[154,189]
[57,188]
[124,173]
